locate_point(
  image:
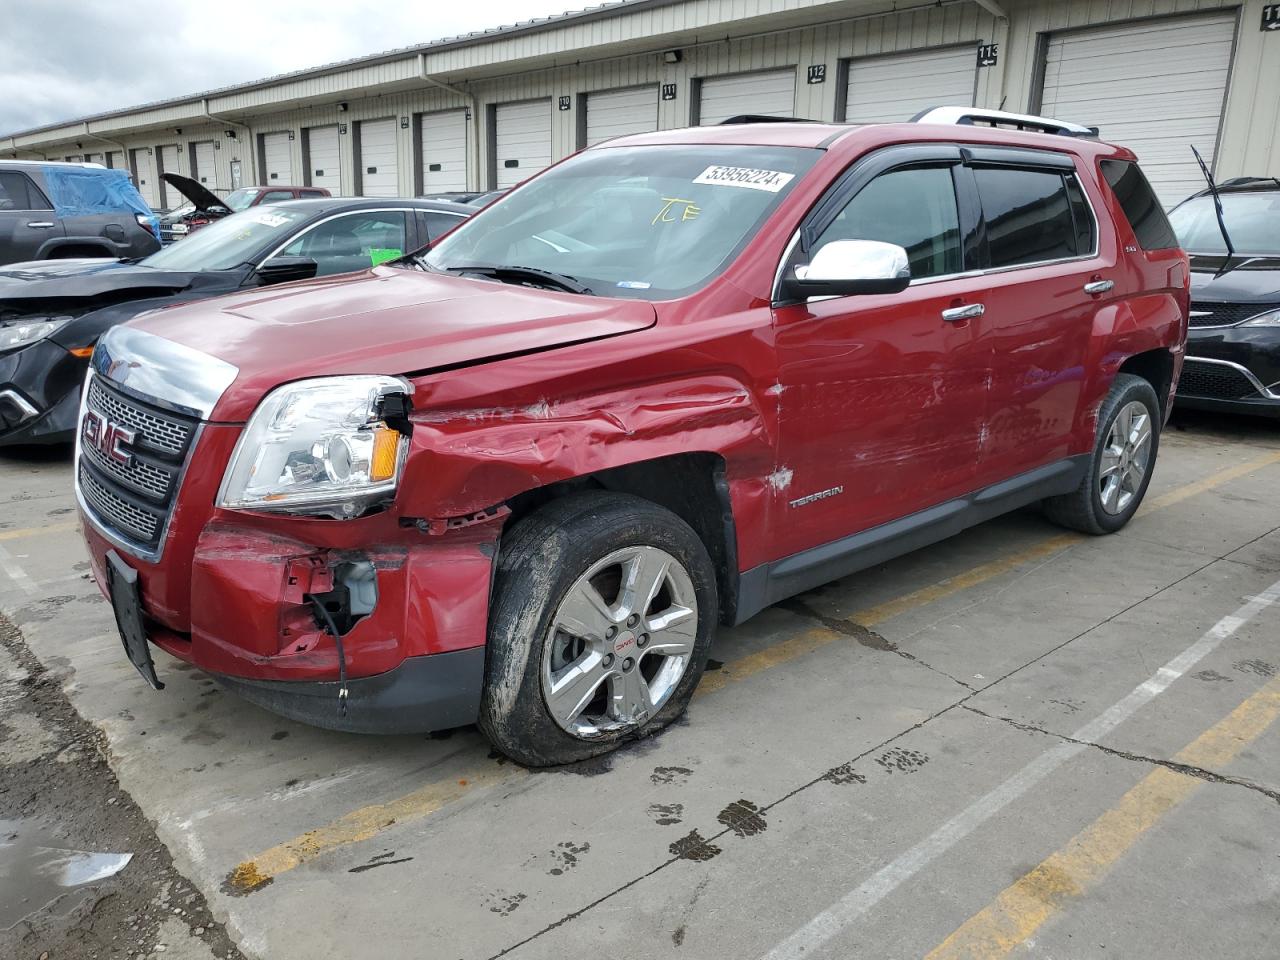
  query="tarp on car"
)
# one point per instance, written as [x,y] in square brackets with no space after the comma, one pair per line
[84,192]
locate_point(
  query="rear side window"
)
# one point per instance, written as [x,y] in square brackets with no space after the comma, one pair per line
[439,223]
[17,192]
[1141,208]
[1030,216]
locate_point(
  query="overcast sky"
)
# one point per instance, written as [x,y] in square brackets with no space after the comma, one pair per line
[64,59]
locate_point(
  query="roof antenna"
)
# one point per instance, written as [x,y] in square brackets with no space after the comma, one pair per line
[1217,208]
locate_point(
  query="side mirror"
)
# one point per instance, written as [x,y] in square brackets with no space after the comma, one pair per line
[844,268]
[284,269]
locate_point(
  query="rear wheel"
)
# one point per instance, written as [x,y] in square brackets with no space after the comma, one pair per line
[1120,469]
[601,623]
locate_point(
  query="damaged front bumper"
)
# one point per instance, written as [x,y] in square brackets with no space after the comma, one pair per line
[39,394]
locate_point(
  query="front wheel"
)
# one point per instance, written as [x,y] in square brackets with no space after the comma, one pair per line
[1123,460]
[602,620]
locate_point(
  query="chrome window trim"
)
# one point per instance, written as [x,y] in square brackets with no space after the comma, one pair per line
[969,274]
[99,525]
[334,216]
[1248,374]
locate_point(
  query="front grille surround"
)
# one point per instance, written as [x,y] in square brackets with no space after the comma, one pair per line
[1215,381]
[132,503]
[1226,314]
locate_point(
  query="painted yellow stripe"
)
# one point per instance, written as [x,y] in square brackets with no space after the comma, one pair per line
[1021,909]
[361,824]
[39,531]
[367,822]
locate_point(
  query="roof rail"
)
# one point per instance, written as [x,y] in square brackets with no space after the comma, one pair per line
[974,117]
[763,118]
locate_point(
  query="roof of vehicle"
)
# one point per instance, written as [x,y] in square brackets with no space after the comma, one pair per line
[325,204]
[823,135]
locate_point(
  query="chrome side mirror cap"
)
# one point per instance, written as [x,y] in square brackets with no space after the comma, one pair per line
[845,268]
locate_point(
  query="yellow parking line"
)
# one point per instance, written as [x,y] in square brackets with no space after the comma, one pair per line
[1022,908]
[39,531]
[367,822]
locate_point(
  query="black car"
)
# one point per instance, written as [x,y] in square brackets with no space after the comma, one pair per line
[1233,349]
[52,312]
[58,210]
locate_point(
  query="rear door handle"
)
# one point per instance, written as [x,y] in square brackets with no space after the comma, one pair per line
[1096,287]
[967,312]
[40,224]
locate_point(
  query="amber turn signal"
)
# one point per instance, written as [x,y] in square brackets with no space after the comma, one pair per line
[386,448]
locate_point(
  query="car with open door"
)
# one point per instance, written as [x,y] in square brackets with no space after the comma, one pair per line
[1233,347]
[520,478]
[52,313]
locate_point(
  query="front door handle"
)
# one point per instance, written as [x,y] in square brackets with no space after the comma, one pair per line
[40,224]
[1095,287]
[967,312]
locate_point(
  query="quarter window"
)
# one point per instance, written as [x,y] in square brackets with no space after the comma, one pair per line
[1029,216]
[915,208]
[1140,205]
[17,192]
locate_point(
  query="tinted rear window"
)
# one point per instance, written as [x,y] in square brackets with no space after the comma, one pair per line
[1029,216]
[1141,208]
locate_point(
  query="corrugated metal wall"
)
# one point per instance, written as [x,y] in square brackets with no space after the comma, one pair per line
[624,49]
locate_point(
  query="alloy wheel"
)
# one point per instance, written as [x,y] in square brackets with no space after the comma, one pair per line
[1122,468]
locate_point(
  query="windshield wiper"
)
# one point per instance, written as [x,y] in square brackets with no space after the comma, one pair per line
[1217,209]
[510,274]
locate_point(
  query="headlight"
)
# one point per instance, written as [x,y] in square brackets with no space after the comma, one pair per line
[29,331]
[1271,319]
[318,447]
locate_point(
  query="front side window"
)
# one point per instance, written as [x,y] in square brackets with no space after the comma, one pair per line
[17,192]
[912,207]
[640,222]
[1029,216]
[1252,219]
[355,241]
[274,196]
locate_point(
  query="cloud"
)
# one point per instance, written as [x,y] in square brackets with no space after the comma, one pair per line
[65,59]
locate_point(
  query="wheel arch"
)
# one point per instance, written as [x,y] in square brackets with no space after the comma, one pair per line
[1156,367]
[691,485]
[67,247]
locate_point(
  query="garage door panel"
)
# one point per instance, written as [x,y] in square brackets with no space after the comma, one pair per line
[1156,86]
[204,173]
[444,151]
[522,140]
[324,159]
[278,159]
[379,172]
[772,93]
[619,113]
[894,89]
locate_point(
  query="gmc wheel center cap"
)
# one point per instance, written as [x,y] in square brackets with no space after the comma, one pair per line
[626,640]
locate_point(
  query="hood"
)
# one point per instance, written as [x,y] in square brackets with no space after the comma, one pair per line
[1244,280]
[206,200]
[22,284]
[387,320]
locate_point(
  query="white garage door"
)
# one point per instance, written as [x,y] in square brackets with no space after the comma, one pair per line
[202,155]
[169,197]
[324,159]
[894,89]
[144,176]
[772,94]
[522,140]
[444,151]
[1156,87]
[277,159]
[115,160]
[616,113]
[378,172]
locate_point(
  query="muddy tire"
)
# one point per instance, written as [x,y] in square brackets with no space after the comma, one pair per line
[602,618]
[1124,457]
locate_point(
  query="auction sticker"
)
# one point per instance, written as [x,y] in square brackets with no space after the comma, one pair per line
[771,181]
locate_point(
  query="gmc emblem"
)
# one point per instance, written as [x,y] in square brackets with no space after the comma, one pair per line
[109,439]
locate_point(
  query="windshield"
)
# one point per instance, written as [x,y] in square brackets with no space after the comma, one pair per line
[229,242]
[238,200]
[1253,220]
[643,222]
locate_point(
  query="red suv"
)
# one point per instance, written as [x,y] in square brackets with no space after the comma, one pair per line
[519,479]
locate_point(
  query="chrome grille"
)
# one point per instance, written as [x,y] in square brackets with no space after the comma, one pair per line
[1226,314]
[130,489]
[161,431]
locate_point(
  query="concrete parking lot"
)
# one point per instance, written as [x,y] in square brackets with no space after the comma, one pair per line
[1019,742]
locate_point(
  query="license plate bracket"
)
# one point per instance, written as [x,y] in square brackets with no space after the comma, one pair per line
[126,602]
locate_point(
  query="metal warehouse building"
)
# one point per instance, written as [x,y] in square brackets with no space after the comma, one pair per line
[492,108]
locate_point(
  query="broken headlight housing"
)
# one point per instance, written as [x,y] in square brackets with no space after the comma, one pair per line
[28,330]
[319,448]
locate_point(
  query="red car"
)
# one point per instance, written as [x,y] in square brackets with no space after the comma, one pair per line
[674,379]
[203,206]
